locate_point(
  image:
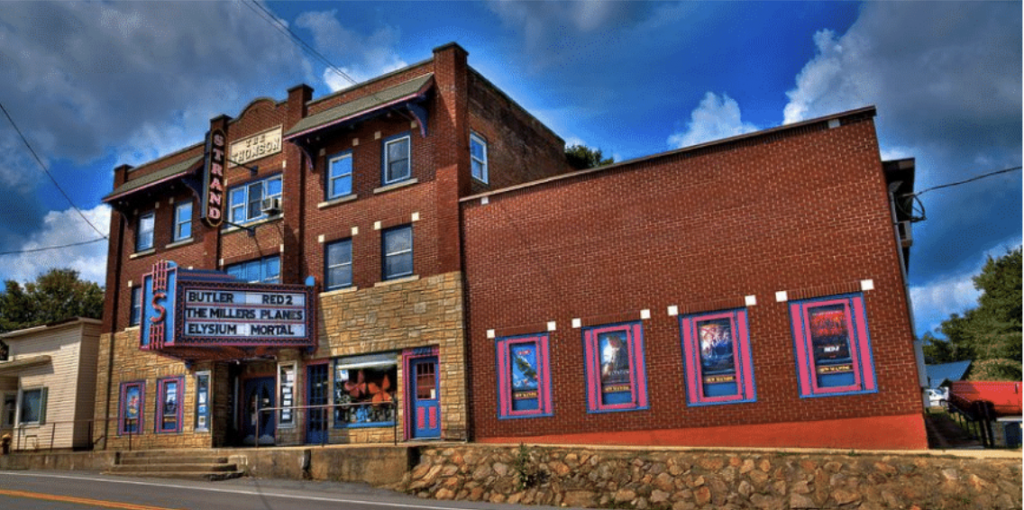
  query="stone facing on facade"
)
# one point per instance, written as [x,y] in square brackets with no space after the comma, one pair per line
[688,480]
[425,312]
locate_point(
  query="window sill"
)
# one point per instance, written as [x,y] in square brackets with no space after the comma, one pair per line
[143,253]
[403,279]
[334,292]
[481,181]
[183,242]
[335,201]
[397,185]
[252,224]
[132,328]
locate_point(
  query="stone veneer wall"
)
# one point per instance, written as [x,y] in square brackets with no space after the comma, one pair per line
[131,364]
[425,312]
[684,480]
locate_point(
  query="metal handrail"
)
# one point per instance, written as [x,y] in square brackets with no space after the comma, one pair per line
[330,408]
[23,432]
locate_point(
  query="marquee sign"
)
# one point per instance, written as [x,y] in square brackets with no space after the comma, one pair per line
[213,179]
[201,311]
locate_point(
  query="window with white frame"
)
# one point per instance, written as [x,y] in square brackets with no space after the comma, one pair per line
[182,221]
[339,175]
[136,312]
[397,159]
[338,272]
[33,406]
[478,155]
[144,234]
[264,270]
[246,201]
[397,251]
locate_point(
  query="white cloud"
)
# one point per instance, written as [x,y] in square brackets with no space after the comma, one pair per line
[61,228]
[716,117]
[361,57]
[934,301]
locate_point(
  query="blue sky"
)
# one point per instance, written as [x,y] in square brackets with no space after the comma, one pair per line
[93,85]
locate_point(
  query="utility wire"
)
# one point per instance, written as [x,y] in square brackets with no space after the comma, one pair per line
[33,250]
[47,172]
[972,179]
[275,22]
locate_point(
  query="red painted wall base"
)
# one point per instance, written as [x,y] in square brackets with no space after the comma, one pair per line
[905,432]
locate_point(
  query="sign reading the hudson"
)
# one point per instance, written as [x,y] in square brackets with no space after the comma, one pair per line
[244,314]
[256,146]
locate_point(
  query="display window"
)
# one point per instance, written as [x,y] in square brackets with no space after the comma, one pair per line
[615,372]
[524,376]
[833,348]
[364,391]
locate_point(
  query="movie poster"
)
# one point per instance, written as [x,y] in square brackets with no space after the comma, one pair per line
[202,404]
[133,405]
[716,350]
[170,406]
[830,339]
[524,377]
[615,383]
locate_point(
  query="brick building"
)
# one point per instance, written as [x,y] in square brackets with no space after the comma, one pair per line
[358,190]
[744,292]
[411,258]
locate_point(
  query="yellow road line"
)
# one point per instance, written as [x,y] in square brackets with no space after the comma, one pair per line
[80,501]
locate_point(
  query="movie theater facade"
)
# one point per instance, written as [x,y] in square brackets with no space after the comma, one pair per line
[296,277]
[412,259]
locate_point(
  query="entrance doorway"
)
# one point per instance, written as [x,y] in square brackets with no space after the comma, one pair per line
[317,394]
[258,393]
[424,397]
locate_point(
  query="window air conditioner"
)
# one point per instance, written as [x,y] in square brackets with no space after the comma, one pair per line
[906,237]
[271,206]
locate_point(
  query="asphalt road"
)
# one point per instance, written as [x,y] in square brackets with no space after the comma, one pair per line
[61,490]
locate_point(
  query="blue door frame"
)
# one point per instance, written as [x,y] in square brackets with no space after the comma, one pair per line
[317,428]
[425,393]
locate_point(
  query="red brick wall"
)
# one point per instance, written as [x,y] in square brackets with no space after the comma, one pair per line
[804,210]
[519,148]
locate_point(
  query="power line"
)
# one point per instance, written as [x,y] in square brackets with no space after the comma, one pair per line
[972,179]
[33,250]
[47,172]
[275,22]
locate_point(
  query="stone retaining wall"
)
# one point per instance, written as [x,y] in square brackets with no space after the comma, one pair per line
[599,478]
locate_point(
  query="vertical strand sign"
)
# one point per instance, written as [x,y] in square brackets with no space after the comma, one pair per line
[213,179]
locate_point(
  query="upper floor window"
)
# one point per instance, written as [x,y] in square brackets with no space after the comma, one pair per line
[136,313]
[246,201]
[478,155]
[339,175]
[833,351]
[397,159]
[183,221]
[265,270]
[144,235]
[397,248]
[339,264]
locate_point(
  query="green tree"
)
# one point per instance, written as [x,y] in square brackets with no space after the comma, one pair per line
[989,335]
[581,157]
[54,296]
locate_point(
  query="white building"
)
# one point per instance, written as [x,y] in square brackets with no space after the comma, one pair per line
[48,385]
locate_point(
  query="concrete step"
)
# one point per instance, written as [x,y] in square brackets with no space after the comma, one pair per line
[181,459]
[209,476]
[173,467]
